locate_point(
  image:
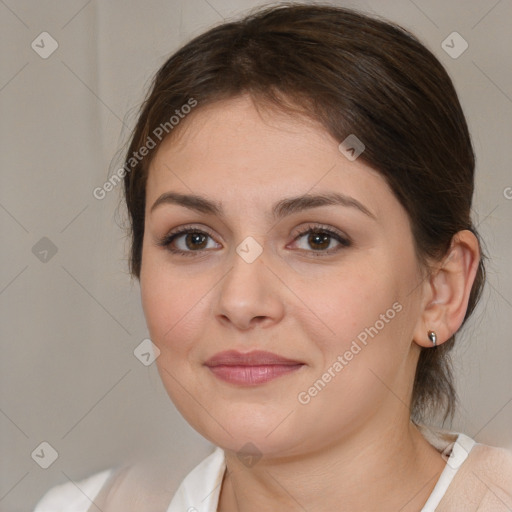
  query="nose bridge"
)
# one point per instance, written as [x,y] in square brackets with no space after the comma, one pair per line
[248,269]
[247,290]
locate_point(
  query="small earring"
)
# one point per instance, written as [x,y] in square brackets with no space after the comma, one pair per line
[432,336]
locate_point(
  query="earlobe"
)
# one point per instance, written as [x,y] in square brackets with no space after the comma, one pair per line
[447,291]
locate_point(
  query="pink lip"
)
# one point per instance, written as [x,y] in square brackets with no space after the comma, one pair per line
[250,368]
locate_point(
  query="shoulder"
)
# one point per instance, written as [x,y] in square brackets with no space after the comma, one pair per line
[493,465]
[483,481]
[146,484]
[75,496]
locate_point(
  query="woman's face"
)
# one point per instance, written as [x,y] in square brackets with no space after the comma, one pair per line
[341,302]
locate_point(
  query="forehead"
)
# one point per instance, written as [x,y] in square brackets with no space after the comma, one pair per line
[248,156]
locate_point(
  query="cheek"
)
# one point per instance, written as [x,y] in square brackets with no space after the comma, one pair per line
[357,366]
[343,304]
[364,316]
[172,303]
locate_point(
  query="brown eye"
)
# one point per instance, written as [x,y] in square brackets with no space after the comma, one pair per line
[322,240]
[195,240]
[319,240]
[187,241]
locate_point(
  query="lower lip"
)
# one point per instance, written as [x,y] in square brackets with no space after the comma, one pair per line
[252,375]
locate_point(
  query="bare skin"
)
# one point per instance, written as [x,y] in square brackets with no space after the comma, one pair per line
[351,445]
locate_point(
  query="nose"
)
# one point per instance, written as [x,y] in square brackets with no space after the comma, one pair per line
[250,294]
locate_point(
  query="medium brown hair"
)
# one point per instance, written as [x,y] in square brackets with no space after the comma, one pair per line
[355,74]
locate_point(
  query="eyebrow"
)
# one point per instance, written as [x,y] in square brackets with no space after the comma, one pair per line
[282,208]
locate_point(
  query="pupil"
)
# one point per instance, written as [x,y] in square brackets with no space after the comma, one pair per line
[319,239]
[196,240]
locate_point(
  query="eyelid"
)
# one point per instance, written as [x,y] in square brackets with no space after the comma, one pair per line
[189,227]
[324,228]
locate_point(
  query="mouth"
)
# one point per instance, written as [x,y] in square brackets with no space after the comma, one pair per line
[250,368]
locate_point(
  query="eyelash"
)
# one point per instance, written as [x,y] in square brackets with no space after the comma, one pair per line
[167,240]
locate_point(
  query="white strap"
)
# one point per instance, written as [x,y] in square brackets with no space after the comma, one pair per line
[459,453]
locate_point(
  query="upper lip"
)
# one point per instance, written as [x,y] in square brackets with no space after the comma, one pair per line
[254,358]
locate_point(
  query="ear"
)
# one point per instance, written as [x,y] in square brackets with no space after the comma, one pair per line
[446,292]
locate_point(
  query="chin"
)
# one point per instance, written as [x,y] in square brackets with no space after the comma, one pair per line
[243,425]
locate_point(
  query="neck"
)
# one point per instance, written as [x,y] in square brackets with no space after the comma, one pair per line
[396,469]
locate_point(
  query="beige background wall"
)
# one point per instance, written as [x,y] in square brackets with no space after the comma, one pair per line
[71,320]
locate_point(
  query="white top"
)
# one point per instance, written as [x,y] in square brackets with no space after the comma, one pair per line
[491,490]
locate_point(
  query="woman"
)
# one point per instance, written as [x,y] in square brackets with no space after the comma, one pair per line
[299,187]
